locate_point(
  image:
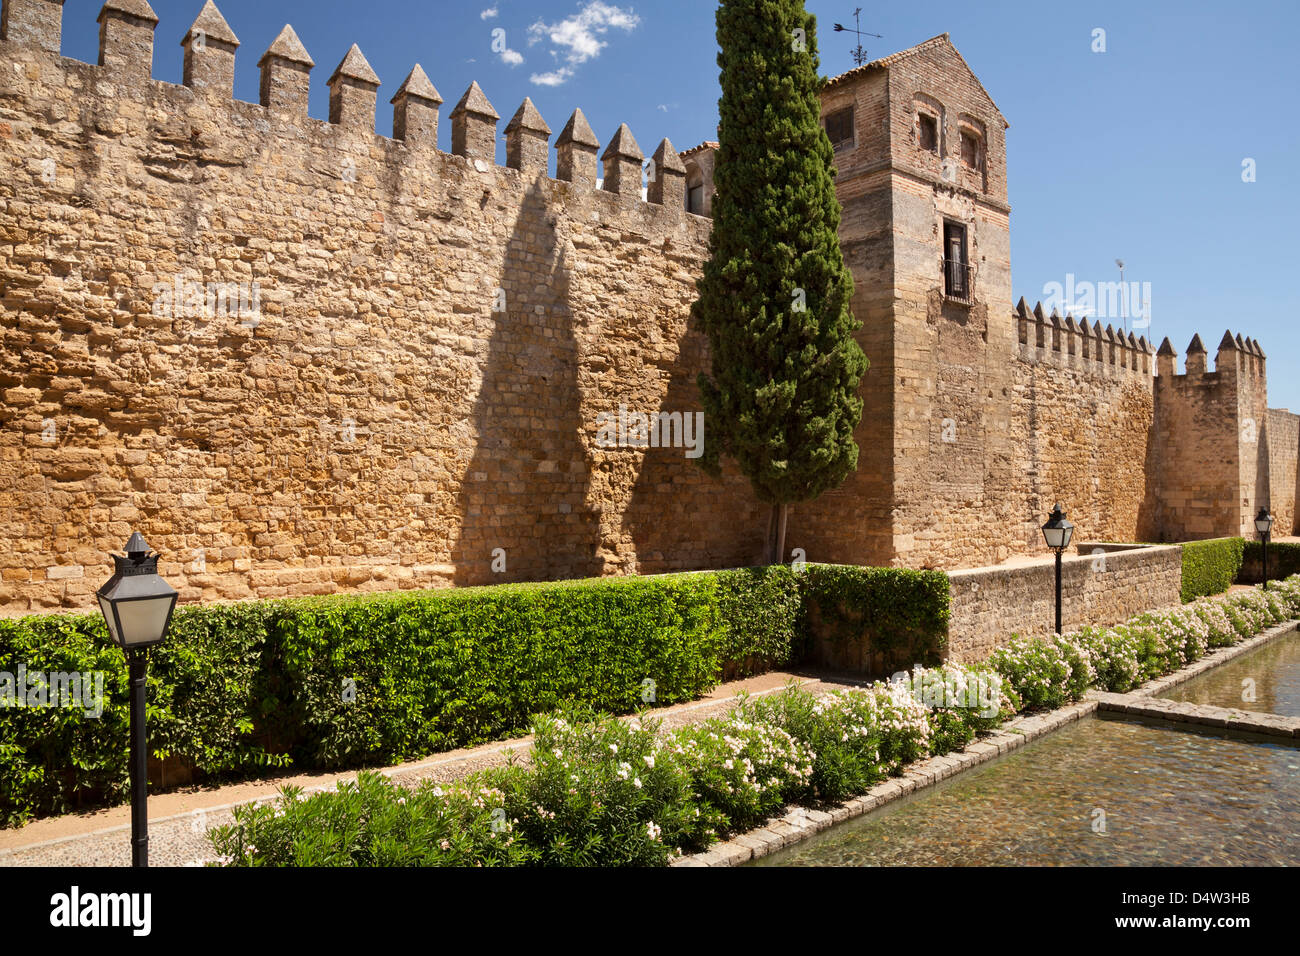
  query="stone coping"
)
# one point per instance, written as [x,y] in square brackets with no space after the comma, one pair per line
[800,823]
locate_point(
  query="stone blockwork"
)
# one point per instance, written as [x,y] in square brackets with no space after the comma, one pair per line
[302,358]
[1102,585]
[1283,442]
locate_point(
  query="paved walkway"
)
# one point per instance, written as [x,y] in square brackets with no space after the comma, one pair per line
[178,821]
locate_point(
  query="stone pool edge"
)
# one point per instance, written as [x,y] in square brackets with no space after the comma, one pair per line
[799,823]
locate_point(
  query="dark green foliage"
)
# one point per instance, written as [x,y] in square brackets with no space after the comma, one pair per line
[762,609]
[339,683]
[774,298]
[1210,567]
[890,610]
[1283,561]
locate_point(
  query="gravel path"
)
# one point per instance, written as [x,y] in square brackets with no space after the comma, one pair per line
[179,821]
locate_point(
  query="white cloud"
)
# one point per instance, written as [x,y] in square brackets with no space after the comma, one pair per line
[511,57]
[579,37]
[554,78]
[488,14]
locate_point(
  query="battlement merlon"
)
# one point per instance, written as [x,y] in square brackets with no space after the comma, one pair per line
[126,29]
[1236,358]
[210,47]
[1091,349]
[127,34]
[33,23]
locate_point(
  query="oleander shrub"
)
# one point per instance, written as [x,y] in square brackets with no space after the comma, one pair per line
[839,729]
[963,702]
[1222,632]
[1210,567]
[1043,673]
[602,792]
[743,770]
[1114,655]
[373,822]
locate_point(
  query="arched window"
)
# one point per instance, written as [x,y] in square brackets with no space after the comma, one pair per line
[928,124]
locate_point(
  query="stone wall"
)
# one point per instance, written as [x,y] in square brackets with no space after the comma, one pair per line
[990,605]
[418,383]
[1283,445]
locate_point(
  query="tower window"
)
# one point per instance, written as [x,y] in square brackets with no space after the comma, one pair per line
[971,154]
[928,133]
[695,200]
[839,128]
[956,267]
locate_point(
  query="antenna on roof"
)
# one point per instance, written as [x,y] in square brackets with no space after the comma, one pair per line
[860,54]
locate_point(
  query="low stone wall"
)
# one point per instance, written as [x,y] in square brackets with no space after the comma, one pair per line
[990,605]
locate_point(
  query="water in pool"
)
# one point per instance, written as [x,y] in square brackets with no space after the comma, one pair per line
[1169,798]
[1271,675]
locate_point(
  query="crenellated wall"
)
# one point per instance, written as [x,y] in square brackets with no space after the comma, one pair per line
[300,357]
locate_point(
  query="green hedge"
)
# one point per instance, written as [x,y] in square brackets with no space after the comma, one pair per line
[344,682]
[1283,561]
[898,614]
[1210,567]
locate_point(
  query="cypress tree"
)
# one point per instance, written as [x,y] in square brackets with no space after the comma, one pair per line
[781,399]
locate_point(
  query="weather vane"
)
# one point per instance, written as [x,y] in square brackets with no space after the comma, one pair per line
[860,54]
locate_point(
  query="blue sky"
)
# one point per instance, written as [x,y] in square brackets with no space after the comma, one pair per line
[1135,153]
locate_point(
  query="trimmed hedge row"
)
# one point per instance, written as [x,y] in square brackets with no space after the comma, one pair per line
[893,612]
[1283,561]
[345,682]
[1210,567]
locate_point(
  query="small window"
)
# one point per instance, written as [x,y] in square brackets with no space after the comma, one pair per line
[695,200]
[839,128]
[971,154]
[928,131]
[956,267]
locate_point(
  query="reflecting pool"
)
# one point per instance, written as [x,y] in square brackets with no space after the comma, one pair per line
[1270,674]
[1097,793]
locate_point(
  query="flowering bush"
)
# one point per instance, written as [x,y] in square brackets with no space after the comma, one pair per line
[374,822]
[962,701]
[1044,673]
[601,792]
[841,731]
[743,770]
[1222,633]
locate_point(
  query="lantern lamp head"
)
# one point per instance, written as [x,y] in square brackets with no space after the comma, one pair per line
[137,604]
[1058,531]
[1264,522]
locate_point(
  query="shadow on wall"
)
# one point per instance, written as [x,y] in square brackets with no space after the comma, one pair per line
[526,487]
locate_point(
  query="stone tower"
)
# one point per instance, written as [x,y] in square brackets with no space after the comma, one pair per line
[920,151]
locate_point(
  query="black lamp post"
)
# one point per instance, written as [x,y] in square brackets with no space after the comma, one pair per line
[1057,533]
[1264,525]
[137,606]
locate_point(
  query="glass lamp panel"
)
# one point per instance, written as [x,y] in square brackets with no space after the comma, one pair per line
[1066,534]
[143,621]
[107,608]
[1055,537]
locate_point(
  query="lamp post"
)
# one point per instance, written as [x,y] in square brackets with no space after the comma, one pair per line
[137,605]
[1057,533]
[1264,525]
